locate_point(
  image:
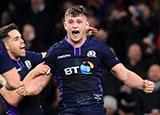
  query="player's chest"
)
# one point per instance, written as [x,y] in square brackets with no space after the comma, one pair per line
[23,67]
[79,60]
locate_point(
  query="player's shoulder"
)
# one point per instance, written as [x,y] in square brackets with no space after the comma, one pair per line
[95,41]
[31,54]
[58,45]
[55,48]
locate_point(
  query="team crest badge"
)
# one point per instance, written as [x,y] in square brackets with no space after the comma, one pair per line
[28,64]
[91,53]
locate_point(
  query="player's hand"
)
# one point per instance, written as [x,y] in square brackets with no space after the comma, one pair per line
[41,69]
[91,31]
[148,86]
[22,90]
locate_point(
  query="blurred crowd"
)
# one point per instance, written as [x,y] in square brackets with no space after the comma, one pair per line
[131,29]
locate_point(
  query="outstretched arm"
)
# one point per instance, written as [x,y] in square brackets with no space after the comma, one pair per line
[13,98]
[132,79]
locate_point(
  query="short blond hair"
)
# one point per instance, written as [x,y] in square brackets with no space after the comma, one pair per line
[76,11]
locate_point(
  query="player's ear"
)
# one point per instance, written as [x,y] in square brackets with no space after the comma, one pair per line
[64,24]
[7,47]
[87,24]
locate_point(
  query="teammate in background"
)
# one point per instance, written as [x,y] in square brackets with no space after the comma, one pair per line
[24,61]
[77,63]
[8,70]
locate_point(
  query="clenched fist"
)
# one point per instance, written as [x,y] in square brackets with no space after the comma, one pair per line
[148,86]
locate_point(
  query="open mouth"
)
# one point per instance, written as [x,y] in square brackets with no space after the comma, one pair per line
[22,47]
[75,32]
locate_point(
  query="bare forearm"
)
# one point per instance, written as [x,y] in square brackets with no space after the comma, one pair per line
[133,80]
[12,78]
[11,96]
[39,70]
[29,77]
[128,77]
[36,85]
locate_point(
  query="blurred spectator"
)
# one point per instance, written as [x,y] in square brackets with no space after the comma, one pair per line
[102,32]
[127,102]
[6,18]
[59,29]
[118,24]
[134,60]
[29,36]
[149,102]
[111,105]
[156,5]
[92,11]
[143,16]
[98,8]
[41,16]
[154,73]
[93,21]
[63,7]
[134,54]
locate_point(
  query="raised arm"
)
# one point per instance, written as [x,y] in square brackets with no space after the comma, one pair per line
[37,76]
[132,79]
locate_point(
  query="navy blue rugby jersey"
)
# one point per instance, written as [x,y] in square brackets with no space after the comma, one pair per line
[79,70]
[5,62]
[30,105]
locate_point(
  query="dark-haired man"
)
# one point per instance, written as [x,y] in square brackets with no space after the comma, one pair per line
[24,61]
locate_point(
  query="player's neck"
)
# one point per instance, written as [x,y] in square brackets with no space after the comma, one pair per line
[14,57]
[77,44]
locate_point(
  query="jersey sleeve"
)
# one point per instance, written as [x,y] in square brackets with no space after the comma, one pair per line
[50,59]
[34,57]
[5,62]
[109,59]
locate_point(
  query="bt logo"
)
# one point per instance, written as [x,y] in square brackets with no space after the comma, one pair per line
[70,70]
[85,68]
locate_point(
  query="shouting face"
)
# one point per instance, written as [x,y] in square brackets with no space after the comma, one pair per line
[76,28]
[15,45]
